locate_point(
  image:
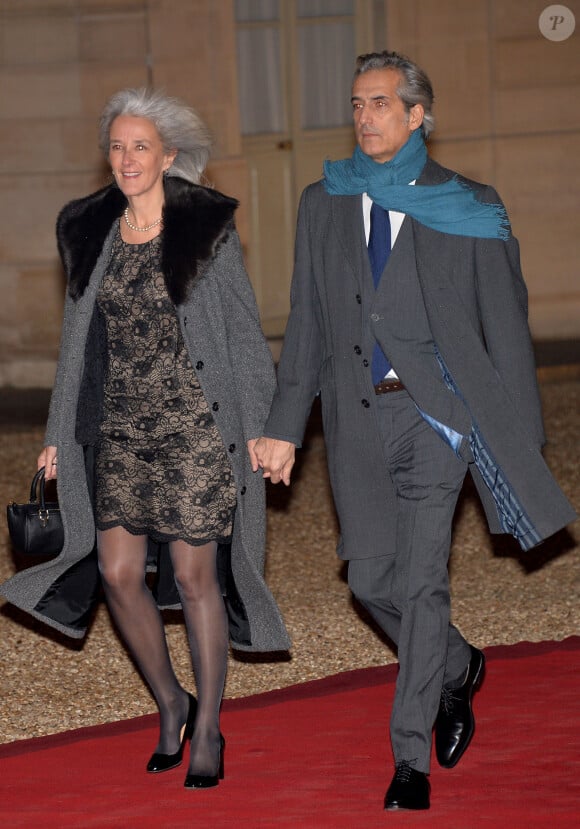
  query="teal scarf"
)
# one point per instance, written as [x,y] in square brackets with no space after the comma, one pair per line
[449,208]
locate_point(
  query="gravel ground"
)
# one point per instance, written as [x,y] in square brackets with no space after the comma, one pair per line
[500,595]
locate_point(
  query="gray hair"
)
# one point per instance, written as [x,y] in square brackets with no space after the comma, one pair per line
[415,86]
[179,126]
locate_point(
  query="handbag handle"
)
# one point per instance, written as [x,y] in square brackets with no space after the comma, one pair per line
[37,485]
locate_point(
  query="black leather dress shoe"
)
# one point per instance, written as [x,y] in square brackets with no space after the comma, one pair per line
[455,723]
[409,789]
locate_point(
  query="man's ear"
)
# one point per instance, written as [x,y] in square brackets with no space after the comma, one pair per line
[416,114]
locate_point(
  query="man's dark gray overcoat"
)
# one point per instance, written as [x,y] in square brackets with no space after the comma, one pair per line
[475,302]
[205,277]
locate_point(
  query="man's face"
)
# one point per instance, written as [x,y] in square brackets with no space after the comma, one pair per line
[381,123]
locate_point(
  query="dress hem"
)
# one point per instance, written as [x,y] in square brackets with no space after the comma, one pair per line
[164,538]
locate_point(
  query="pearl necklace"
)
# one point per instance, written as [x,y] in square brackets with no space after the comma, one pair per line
[140,229]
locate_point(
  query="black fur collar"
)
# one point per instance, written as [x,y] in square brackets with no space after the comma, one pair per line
[195,222]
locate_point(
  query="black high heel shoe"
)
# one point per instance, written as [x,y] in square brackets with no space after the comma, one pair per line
[163,762]
[207,781]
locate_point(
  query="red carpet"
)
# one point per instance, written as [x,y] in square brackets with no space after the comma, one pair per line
[317,755]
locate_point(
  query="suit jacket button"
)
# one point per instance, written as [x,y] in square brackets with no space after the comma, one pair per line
[365,363]
[232,447]
[375,317]
[358,299]
[365,403]
[215,407]
[243,490]
[357,349]
[199,365]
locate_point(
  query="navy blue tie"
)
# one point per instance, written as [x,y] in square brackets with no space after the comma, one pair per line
[379,252]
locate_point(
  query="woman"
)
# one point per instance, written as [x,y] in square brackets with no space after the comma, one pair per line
[163,385]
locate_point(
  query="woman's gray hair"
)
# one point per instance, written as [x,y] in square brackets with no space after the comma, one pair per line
[415,87]
[179,126]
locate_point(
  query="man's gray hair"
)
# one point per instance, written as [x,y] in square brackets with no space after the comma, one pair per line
[179,126]
[415,86]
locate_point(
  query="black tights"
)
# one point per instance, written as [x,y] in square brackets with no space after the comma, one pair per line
[122,561]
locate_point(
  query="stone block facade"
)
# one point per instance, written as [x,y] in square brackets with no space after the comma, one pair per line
[505,108]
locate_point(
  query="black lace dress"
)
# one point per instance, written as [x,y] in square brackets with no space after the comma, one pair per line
[161,468]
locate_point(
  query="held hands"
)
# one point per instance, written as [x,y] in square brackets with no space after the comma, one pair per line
[47,458]
[274,457]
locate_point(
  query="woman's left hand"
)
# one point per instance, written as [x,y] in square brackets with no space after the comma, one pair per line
[47,458]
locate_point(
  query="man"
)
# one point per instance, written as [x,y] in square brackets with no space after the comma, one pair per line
[409,317]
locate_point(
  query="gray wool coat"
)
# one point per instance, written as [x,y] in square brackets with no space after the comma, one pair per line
[460,297]
[216,308]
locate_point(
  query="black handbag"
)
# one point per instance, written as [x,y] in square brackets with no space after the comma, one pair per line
[36,528]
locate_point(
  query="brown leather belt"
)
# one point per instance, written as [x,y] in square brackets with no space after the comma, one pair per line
[385,386]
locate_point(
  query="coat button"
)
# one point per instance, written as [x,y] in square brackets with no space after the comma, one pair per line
[185,320]
[358,299]
[199,365]
[365,403]
[232,447]
[357,349]
[365,363]
[375,317]
[215,407]
[243,490]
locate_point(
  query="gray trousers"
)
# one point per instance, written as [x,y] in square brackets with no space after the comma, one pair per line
[406,591]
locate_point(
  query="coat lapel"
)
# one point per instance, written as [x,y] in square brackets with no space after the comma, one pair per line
[196,221]
[436,253]
[347,218]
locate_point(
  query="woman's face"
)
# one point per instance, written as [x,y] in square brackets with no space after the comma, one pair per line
[137,157]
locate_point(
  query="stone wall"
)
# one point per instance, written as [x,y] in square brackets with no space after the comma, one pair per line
[59,62]
[507,113]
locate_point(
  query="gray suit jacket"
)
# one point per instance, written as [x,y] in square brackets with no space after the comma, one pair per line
[474,303]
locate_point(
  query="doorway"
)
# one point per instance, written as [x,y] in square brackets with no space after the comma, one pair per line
[295,64]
